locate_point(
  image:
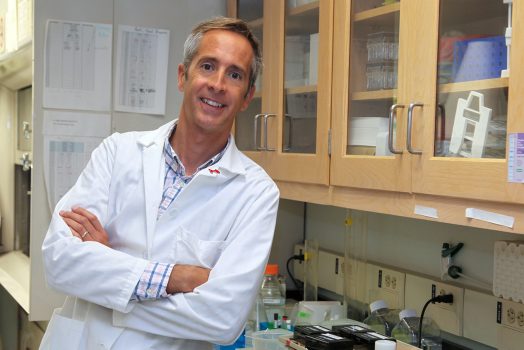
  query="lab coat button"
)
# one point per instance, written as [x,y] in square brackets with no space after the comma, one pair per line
[149,291]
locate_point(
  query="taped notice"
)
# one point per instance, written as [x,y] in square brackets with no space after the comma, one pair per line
[494,218]
[516,158]
[426,211]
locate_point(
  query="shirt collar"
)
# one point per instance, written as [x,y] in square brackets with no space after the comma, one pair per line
[174,161]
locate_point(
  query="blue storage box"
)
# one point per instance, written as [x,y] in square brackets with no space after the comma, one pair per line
[480,58]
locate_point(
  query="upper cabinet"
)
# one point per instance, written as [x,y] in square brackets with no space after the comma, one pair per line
[423,98]
[286,127]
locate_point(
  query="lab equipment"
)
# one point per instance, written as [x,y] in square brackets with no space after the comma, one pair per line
[470,127]
[271,299]
[315,312]
[407,330]
[381,319]
[269,339]
[385,345]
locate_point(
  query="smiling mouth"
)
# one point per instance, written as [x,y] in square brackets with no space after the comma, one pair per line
[212,103]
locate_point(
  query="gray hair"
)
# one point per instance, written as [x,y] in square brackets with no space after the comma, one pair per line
[235,25]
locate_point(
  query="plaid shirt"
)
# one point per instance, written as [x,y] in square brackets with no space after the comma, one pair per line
[153,282]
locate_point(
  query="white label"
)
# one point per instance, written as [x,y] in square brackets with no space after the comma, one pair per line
[332,336]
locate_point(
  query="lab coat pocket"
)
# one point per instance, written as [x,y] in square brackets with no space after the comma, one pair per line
[63,333]
[191,250]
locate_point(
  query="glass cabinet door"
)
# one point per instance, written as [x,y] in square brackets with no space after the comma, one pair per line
[300,76]
[287,125]
[298,146]
[466,121]
[368,96]
[472,96]
[248,124]
[373,77]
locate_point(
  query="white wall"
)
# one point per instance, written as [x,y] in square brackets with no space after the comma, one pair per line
[177,16]
[407,243]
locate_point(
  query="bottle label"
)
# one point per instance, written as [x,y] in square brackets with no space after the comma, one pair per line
[272,301]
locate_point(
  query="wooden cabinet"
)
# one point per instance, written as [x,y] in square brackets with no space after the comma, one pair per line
[413,96]
[286,128]
[451,110]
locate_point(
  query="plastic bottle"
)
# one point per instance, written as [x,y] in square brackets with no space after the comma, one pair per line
[407,331]
[271,299]
[380,318]
[270,291]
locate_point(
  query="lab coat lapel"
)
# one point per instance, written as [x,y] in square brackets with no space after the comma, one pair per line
[154,169]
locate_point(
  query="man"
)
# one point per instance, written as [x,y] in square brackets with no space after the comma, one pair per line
[162,242]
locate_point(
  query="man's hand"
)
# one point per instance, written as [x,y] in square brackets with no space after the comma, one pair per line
[185,278]
[85,225]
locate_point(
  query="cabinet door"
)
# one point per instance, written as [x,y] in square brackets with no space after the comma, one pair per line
[468,104]
[298,126]
[369,92]
[287,125]
[249,135]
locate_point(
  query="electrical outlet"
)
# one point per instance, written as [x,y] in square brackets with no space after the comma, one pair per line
[510,330]
[510,314]
[386,284]
[449,317]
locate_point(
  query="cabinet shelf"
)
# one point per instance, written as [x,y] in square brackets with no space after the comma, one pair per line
[374,95]
[377,13]
[301,90]
[303,9]
[303,19]
[485,84]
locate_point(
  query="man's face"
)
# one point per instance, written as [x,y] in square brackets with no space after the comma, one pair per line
[216,85]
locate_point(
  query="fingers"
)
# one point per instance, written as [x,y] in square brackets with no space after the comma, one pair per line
[93,220]
[85,225]
[79,223]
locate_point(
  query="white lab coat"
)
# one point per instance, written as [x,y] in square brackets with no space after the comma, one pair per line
[221,220]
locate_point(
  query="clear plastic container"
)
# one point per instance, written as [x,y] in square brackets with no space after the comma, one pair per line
[270,291]
[269,339]
[382,46]
[407,331]
[271,299]
[381,319]
[381,75]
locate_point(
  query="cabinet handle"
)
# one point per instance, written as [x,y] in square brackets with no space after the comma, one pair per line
[392,118]
[266,116]
[410,127]
[255,134]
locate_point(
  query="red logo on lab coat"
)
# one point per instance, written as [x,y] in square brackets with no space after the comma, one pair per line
[214,171]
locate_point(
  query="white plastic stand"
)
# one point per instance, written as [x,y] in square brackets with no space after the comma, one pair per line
[505,72]
[470,126]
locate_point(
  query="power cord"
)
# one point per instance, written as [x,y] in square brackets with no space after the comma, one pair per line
[446,298]
[299,257]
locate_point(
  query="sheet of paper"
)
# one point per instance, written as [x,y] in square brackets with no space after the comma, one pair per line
[77,65]
[516,158]
[24,14]
[2,32]
[141,70]
[69,139]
